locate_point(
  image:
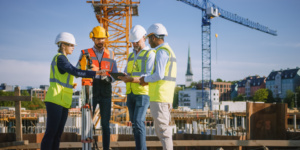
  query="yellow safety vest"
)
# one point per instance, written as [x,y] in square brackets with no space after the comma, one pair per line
[136,69]
[163,90]
[61,86]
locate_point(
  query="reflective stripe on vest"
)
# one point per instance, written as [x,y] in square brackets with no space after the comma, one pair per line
[135,68]
[107,59]
[169,77]
[61,86]
[67,85]
[163,90]
[143,65]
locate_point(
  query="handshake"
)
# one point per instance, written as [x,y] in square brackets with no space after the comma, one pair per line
[126,78]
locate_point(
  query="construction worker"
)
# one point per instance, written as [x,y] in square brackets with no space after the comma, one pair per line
[102,88]
[161,84]
[59,96]
[140,63]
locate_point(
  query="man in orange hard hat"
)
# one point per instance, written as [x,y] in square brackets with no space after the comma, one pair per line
[102,88]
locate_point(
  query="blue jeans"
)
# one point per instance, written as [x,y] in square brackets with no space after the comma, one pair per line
[137,106]
[105,111]
[56,120]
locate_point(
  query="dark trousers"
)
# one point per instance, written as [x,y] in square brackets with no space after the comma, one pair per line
[137,106]
[105,112]
[56,120]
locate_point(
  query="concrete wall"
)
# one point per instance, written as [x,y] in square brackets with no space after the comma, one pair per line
[234,106]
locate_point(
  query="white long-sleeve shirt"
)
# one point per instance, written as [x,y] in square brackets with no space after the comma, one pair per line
[161,58]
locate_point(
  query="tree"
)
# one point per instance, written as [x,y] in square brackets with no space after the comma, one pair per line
[270,98]
[175,99]
[289,99]
[193,84]
[239,98]
[7,103]
[26,104]
[261,95]
[298,95]
[233,82]
[219,80]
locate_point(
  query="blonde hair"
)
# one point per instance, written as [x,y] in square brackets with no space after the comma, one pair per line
[60,49]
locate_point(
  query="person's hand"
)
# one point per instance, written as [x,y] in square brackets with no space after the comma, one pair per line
[142,81]
[74,85]
[102,72]
[95,68]
[126,78]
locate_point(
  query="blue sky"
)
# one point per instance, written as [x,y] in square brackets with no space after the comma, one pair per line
[28,30]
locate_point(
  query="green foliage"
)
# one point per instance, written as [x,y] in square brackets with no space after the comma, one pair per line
[7,103]
[239,98]
[219,80]
[289,99]
[233,82]
[26,104]
[270,98]
[175,99]
[193,84]
[298,95]
[261,95]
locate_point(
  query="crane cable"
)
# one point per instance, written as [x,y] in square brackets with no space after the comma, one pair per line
[217,43]
[216,48]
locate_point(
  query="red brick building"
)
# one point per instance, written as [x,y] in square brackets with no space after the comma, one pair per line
[248,86]
[223,87]
[39,93]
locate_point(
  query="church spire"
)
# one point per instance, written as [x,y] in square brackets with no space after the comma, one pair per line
[189,65]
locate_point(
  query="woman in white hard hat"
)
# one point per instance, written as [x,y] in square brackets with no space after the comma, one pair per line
[59,96]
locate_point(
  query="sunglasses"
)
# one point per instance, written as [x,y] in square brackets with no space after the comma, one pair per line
[71,45]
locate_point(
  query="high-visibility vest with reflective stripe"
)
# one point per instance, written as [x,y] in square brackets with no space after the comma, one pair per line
[61,86]
[107,61]
[136,69]
[163,90]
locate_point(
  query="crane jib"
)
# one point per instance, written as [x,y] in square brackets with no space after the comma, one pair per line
[230,16]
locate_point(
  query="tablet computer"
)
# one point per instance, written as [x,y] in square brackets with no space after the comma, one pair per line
[115,75]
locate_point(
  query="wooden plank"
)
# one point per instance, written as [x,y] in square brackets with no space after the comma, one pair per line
[273,143]
[9,144]
[18,116]
[15,98]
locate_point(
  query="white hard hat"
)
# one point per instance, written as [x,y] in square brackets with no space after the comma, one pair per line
[65,37]
[157,29]
[136,33]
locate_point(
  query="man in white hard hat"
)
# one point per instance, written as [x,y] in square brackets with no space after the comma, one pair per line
[140,63]
[161,84]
